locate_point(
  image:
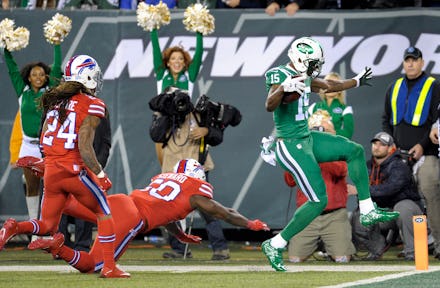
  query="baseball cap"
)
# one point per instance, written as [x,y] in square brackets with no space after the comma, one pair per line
[383,137]
[413,52]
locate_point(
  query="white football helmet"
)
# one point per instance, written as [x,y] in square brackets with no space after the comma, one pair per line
[84,69]
[191,168]
[307,56]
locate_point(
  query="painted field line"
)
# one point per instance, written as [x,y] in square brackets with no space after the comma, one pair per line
[383,278]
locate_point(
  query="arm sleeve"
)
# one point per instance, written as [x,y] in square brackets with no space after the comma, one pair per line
[55,72]
[97,108]
[347,128]
[157,55]
[386,116]
[194,67]
[103,140]
[14,73]
[433,115]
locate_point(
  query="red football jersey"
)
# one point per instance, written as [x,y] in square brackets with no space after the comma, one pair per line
[166,199]
[61,139]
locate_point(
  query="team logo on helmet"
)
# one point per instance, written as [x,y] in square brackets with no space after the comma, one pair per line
[87,63]
[84,69]
[190,167]
[304,48]
[307,56]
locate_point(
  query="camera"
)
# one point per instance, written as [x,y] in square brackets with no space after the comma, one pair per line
[217,114]
[173,102]
[407,157]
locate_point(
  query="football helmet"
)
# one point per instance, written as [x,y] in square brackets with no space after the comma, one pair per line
[191,168]
[307,56]
[84,69]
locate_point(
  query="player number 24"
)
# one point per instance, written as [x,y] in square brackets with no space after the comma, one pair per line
[66,131]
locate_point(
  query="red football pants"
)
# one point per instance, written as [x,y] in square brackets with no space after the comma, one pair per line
[128,223]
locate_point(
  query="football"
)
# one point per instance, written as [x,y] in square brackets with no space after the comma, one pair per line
[290,96]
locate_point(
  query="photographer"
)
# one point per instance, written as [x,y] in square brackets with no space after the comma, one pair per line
[392,186]
[186,132]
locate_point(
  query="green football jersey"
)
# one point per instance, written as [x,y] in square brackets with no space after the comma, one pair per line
[291,118]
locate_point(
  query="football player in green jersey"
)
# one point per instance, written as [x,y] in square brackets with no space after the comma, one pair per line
[299,150]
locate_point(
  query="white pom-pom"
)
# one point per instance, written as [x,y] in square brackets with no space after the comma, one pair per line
[317,118]
[56,29]
[151,17]
[197,18]
[11,39]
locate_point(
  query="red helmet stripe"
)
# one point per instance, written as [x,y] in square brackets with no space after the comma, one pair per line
[68,70]
[181,167]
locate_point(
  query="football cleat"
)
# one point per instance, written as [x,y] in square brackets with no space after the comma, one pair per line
[114,272]
[378,215]
[274,255]
[52,245]
[8,231]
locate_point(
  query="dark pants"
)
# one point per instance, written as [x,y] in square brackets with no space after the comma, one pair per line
[215,235]
[83,233]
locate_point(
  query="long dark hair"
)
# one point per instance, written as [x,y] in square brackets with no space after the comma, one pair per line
[58,97]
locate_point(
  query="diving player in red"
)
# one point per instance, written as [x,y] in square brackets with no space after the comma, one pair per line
[168,198]
[71,167]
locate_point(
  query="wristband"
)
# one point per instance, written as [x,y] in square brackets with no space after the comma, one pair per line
[357,82]
[101,174]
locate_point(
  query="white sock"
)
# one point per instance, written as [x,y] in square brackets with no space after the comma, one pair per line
[278,242]
[33,203]
[365,206]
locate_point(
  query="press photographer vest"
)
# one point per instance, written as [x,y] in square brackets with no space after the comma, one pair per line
[411,106]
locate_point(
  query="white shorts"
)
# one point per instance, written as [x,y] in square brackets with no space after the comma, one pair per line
[30,147]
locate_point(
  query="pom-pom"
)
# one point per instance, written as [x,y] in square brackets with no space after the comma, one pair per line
[197,18]
[151,17]
[319,117]
[13,39]
[56,29]
[6,25]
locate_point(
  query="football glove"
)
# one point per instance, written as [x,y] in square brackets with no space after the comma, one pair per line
[294,84]
[188,238]
[35,164]
[363,77]
[257,225]
[105,182]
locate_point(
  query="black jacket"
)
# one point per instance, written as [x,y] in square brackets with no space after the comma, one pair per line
[391,181]
[103,140]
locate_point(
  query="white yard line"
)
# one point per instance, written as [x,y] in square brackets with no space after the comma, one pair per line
[228,268]
[383,278]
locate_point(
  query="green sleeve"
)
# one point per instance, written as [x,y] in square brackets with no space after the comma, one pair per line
[348,126]
[194,67]
[56,72]
[157,55]
[274,77]
[14,73]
